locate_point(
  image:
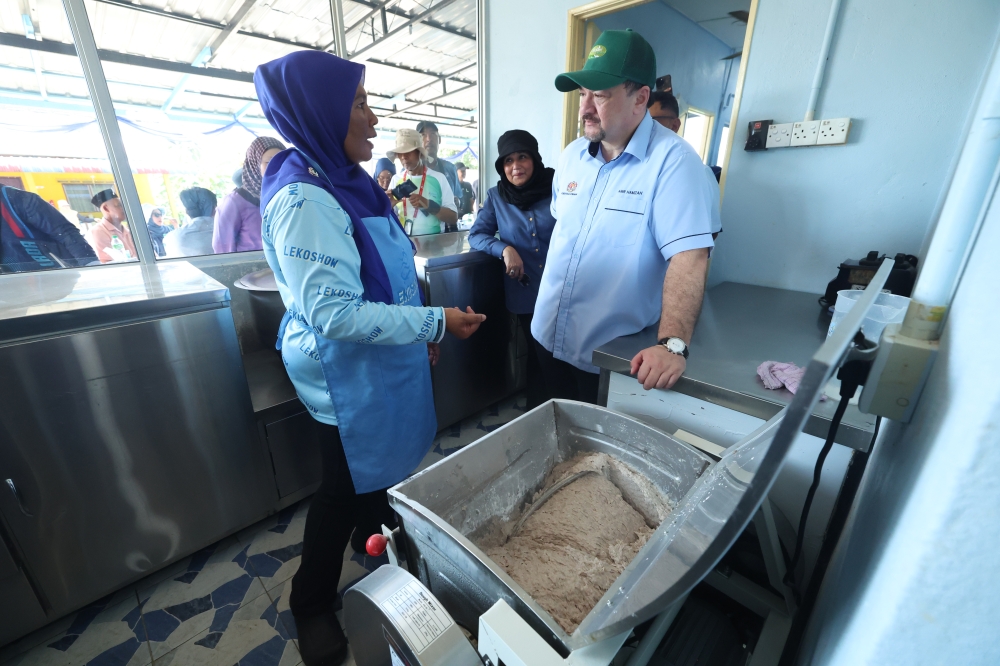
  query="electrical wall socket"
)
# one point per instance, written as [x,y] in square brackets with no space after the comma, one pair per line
[805,133]
[833,131]
[779,136]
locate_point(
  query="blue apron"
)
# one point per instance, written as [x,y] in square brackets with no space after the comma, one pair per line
[381,393]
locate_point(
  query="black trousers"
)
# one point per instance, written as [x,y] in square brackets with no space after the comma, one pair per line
[566,381]
[335,512]
[536,391]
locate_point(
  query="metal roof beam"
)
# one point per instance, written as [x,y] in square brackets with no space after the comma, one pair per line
[231,29]
[428,22]
[50,46]
[430,101]
[398,29]
[416,70]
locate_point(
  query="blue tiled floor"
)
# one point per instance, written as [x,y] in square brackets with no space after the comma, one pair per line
[226,605]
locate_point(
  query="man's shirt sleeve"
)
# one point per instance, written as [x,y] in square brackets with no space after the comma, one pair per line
[685,204]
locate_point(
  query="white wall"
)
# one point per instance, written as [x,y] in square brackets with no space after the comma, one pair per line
[906,71]
[526,50]
[690,54]
[916,577]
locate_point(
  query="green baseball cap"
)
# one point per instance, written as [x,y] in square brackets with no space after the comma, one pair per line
[618,56]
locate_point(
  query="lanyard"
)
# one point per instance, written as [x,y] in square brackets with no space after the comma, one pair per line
[420,192]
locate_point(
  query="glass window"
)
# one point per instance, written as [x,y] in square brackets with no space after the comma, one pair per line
[723,142]
[52,157]
[181,80]
[696,128]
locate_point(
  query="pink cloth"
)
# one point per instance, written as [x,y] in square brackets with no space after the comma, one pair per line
[775,374]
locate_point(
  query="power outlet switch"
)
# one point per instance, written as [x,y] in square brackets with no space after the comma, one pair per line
[833,131]
[779,136]
[805,133]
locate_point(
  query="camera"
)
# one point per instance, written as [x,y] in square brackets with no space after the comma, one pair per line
[403,190]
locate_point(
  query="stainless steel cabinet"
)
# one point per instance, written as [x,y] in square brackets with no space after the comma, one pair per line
[294,446]
[130,446]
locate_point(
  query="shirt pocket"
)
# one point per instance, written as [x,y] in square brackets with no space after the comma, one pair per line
[625,215]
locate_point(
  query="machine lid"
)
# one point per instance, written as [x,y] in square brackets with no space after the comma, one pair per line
[690,542]
[262,280]
[702,528]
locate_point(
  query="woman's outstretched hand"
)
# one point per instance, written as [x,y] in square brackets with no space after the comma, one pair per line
[462,324]
[433,352]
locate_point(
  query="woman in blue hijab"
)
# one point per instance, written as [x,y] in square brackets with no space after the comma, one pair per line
[355,338]
[384,171]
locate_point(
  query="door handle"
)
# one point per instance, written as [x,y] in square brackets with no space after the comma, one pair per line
[17,495]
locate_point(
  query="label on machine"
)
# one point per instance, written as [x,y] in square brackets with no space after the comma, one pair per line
[418,615]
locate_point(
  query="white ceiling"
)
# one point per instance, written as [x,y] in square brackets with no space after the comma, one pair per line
[713,15]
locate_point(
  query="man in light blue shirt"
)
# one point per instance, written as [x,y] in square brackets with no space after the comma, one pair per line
[636,209]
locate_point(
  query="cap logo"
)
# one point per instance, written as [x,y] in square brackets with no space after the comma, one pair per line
[596,52]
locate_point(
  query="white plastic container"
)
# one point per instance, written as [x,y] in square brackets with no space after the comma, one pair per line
[887,309]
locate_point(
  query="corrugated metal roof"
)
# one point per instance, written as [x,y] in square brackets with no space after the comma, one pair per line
[399,68]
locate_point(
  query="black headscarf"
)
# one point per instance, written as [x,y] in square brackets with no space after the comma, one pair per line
[538,187]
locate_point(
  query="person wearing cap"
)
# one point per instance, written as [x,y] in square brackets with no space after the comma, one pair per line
[110,238]
[431,207]
[636,209]
[466,196]
[432,142]
[519,207]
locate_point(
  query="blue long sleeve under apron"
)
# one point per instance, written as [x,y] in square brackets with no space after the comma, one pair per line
[309,245]
[528,231]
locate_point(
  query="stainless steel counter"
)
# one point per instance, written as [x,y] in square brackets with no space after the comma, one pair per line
[43,303]
[474,373]
[127,436]
[740,327]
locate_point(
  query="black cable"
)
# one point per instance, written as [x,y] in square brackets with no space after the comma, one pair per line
[817,473]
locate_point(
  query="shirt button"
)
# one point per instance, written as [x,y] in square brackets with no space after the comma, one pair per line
[532,234]
[539,265]
[536,249]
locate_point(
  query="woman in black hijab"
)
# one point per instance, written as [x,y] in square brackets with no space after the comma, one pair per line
[519,208]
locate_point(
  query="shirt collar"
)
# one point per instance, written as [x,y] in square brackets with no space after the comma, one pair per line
[637,145]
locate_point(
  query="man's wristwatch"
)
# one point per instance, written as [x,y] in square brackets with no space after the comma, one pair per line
[674,346]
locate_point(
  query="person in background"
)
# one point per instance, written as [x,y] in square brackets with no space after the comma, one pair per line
[110,238]
[356,340]
[36,236]
[636,210]
[238,227]
[194,239]
[519,208]
[431,206]
[384,171]
[432,142]
[467,196]
[157,230]
[664,109]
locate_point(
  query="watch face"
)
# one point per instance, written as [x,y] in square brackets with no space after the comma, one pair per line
[676,345]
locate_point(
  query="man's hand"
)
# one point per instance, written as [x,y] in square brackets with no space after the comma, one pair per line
[512,263]
[433,352]
[418,201]
[462,324]
[658,368]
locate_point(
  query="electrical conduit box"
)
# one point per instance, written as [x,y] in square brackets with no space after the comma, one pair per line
[757,135]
